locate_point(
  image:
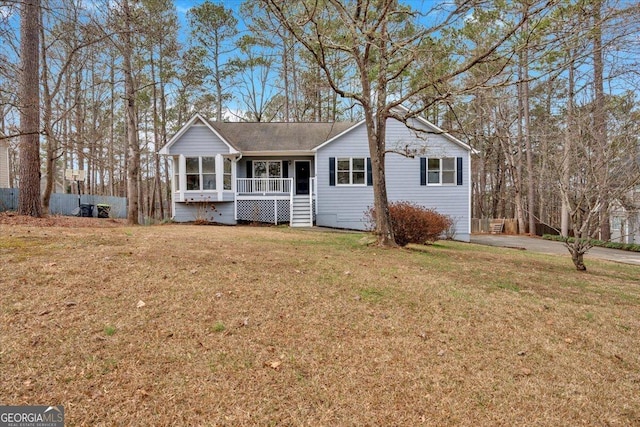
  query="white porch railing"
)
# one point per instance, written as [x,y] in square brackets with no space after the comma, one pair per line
[264,185]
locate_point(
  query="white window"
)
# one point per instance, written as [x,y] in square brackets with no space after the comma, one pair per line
[616,223]
[441,171]
[267,169]
[351,171]
[176,174]
[200,173]
[226,173]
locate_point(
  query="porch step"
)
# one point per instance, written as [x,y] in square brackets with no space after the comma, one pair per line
[301,215]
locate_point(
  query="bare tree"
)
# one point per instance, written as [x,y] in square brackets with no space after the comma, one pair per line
[133,151]
[383,42]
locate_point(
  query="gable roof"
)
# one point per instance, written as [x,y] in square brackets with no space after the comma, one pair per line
[290,137]
[195,119]
[431,129]
[268,136]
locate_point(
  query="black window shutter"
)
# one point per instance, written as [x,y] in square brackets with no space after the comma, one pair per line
[423,171]
[332,171]
[369,172]
[459,170]
[285,169]
[249,169]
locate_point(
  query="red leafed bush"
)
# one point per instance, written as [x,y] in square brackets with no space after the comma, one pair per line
[413,223]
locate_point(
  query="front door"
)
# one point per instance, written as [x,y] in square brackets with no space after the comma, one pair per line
[302,176]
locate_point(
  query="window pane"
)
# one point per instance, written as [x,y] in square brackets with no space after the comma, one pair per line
[343,164]
[343,177]
[176,165]
[358,164]
[209,181]
[434,164]
[193,165]
[227,182]
[434,177]
[193,182]
[227,166]
[259,169]
[448,164]
[208,165]
[275,170]
[448,177]
[358,178]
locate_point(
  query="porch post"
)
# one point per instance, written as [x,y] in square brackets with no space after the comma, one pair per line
[182,178]
[275,216]
[219,175]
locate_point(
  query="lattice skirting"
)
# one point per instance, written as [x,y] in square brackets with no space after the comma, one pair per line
[273,211]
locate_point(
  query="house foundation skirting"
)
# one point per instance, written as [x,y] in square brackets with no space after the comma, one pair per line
[275,211]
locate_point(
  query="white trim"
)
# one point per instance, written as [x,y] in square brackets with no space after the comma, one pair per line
[351,171]
[165,150]
[182,176]
[253,167]
[280,153]
[201,174]
[440,172]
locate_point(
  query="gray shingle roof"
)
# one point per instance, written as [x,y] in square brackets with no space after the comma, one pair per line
[247,137]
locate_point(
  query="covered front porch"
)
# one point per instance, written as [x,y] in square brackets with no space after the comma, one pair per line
[275,200]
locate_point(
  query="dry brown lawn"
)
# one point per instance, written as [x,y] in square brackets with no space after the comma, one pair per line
[181,325]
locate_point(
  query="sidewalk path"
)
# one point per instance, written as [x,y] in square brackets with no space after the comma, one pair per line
[537,244]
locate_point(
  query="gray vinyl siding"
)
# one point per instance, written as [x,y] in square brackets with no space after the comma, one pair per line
[221,213]
[199,140]
[344,207]
[4,165]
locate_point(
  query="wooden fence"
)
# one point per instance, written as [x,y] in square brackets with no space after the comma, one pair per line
[483,225]
[486,225]
[67,204]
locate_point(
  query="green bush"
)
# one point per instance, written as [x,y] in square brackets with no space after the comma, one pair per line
[632,247]
[412,223]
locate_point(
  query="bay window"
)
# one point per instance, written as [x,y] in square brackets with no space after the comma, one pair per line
[200,173]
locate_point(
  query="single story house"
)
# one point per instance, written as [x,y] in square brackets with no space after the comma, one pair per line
[305,174]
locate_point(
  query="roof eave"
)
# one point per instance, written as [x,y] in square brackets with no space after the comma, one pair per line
[273,153]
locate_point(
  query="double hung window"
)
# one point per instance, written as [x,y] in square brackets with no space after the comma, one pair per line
[351,171]
[200,173]
[441,171]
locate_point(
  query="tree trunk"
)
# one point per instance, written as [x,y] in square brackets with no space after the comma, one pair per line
[29,202]
[569,135]
[527,131]
[133,152]
[599,118]
[578,259]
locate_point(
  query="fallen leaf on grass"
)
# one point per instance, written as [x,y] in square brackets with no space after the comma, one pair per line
[523,372]
[274,364]
[140,304]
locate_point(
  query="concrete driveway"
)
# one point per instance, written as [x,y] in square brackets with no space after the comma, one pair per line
[537,244]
